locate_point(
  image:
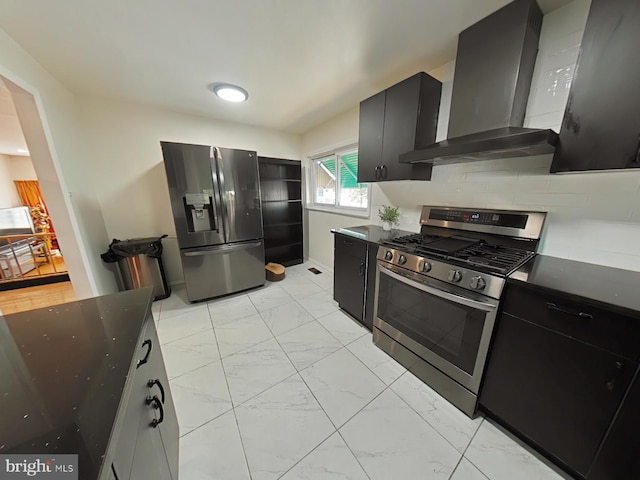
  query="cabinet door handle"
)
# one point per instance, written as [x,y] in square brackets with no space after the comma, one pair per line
[612,381]
[156,381]
[157,405]
[115,474]
[146,343]
[384,171]
[555,308]
[378,171]
[362,269]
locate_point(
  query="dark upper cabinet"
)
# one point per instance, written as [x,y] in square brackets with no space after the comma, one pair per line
[370,137]
[601,125]
[401,118]
[555,376]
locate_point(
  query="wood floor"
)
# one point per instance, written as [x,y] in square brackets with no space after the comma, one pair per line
[57,265]
[20,300]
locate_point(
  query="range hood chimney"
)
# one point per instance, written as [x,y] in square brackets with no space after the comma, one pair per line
[494,68]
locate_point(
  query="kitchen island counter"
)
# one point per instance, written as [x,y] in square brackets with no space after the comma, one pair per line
[63,373]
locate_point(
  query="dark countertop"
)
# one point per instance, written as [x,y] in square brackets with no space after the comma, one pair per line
[371,233]
[63,371]
[607,287]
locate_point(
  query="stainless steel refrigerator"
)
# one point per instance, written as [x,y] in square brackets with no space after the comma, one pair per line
[215,198]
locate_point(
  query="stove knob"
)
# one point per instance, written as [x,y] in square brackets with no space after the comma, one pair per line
[388,256]
[424,266]
[477,283]
[455,275]
[402,260]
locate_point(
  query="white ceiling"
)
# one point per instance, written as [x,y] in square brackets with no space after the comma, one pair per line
[302,61]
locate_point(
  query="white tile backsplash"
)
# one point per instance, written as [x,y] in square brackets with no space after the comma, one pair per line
[551,199]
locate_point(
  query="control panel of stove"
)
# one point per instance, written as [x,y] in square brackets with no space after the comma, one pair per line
[484,283]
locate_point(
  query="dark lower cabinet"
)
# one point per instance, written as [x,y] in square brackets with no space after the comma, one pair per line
[559,393]
[369,295]
[147,445]
[349,275]
[619,457]
[554,382]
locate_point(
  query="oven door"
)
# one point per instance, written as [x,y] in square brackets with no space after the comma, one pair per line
[448,327]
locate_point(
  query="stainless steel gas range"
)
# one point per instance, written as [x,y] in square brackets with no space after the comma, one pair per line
[438,292]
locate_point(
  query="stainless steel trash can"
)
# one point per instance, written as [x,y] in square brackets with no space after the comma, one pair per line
[140,264]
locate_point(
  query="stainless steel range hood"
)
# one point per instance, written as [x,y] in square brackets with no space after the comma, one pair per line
[494,68]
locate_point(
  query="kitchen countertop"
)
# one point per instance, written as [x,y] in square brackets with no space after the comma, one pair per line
[371,233]
[609,287]
[63,371]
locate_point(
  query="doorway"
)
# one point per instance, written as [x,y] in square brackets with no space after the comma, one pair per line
[41,261]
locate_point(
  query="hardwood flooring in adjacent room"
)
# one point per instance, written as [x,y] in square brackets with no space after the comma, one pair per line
[30,298]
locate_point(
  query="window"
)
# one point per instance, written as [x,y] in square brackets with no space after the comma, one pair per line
[335,181]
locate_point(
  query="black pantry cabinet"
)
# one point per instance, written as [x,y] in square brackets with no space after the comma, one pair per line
[354,276]
[601,125]
[281,193]
[399,119]
[558,372]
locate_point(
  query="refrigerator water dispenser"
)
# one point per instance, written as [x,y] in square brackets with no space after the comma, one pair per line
[199,212]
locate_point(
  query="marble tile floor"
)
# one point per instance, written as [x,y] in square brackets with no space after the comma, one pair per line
[278,383]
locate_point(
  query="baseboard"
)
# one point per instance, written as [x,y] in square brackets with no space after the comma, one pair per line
[34,282]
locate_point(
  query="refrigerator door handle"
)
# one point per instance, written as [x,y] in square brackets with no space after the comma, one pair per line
[216,201]
[223,194]
[220,249]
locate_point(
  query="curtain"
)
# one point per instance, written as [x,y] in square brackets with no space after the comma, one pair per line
[31,196]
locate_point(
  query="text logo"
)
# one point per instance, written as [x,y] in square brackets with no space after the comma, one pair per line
[50,467]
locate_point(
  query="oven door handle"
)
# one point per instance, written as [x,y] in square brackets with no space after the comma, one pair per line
[487,307]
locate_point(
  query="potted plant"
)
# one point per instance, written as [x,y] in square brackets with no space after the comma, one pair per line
[389,215]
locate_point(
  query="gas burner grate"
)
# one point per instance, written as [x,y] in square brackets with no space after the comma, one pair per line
[498,258]
[413,239]
[483,256]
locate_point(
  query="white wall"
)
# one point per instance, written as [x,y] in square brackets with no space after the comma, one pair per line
[592,217]
[8,194]
[338,132]
[122,149]
[22,168]
[73,205]
[13,168]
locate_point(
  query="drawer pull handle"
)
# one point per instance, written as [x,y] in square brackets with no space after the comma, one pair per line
[158,406]
[555,308]
[156,381]
[146,356]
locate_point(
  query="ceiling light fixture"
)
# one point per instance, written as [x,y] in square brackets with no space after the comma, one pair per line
[228,92]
